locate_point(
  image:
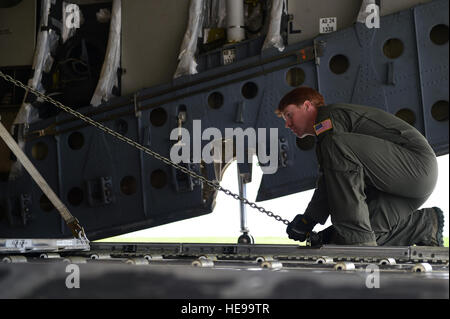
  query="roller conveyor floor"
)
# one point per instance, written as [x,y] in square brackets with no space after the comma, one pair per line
[180,270]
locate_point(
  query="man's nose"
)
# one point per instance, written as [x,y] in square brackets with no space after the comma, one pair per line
[288,124]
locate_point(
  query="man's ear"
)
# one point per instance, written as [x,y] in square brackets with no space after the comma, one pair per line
[307,104]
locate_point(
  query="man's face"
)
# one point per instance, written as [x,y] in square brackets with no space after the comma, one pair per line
[299,119]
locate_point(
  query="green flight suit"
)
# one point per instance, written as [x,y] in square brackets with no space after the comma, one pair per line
[375,171]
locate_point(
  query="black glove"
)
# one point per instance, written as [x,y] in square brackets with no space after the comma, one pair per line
[316,239]
[300,227]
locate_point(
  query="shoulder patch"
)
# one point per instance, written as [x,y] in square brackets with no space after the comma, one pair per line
[323,126]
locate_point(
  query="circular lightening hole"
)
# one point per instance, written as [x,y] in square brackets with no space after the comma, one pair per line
[76,140]
[158,179]
[295,77]
[249,90]
[128,185]
[215,100]
[158,117]
[121,126]
[305,144]
[75,196]
[339,64]
[407,115]
[439,111]
[39,151]
[439,34]
[45,204]
[393,48]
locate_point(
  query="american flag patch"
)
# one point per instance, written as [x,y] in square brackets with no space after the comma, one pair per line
[323,126]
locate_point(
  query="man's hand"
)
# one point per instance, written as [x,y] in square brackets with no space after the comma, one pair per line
[300,227]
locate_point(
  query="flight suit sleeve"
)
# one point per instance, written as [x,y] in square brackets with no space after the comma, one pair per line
[318,208]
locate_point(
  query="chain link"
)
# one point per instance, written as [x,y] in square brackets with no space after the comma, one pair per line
[213,184]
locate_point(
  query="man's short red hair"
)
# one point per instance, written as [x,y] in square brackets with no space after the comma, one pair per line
[298,96]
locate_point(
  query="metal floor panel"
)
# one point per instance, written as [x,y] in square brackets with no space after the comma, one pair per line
[103,280]
[223,271]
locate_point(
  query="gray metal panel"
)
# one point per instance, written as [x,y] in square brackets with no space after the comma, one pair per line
[17,34]
[433,64]
[152,32]
[372,78]
[118,161]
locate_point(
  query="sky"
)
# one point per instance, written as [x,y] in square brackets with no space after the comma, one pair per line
[224,221]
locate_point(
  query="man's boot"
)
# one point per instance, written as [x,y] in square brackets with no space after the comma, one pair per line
[435,238]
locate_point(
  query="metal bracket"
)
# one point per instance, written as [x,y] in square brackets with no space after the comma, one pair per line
[8,246]
[182,181]
[390,74]
[319,49]
[100,191]
[146,136]
[25,205]
[283,149]
[137,105]
[240,112]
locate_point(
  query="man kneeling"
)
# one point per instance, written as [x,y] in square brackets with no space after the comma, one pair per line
[376,170]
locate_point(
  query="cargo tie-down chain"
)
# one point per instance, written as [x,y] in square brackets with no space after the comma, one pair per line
[213,184]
